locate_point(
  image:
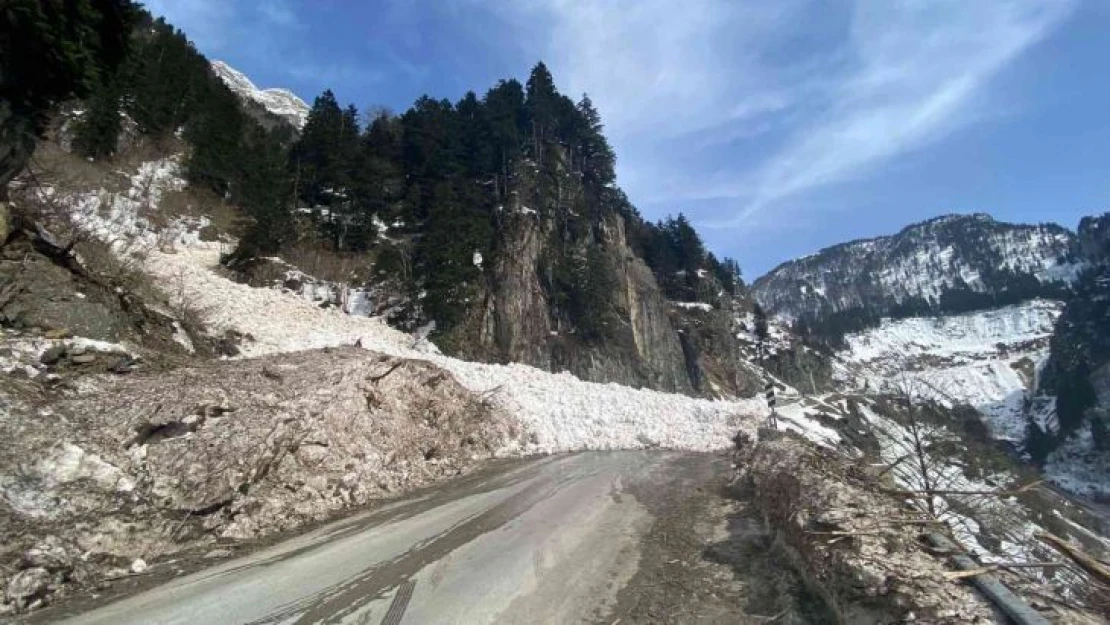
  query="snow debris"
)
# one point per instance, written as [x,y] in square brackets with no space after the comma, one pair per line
[70,463]
[1075,467]
[181,337]
[559,411]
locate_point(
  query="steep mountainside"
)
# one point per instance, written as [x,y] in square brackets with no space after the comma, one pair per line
[279,102]
[1076,378]
[1007,319]
[986,359]
[954,263]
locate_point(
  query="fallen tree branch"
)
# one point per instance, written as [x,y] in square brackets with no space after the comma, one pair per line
[1092,566]
[378,378]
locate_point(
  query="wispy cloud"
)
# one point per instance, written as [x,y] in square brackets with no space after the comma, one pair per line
[838,93]
[280,13]
[920,73]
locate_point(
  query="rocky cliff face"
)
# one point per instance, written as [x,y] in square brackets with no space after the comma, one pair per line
[956,262]
[516,319]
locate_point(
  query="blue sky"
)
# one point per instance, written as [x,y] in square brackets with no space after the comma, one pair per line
[778,127]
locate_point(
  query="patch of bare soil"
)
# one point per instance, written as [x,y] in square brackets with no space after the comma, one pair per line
[709,558]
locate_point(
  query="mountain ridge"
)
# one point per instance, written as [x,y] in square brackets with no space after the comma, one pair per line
[950,263]
[280,102]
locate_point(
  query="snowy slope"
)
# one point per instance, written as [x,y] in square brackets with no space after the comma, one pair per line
[558,412]
[987,359]
[963,253]
[281,102]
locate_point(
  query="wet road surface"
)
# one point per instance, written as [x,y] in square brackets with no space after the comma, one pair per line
[551,540]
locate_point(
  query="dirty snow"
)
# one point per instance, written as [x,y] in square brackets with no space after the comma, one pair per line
[1077,468]
[23,352]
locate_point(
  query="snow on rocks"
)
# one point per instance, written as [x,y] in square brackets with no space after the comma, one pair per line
[965,336]
[702,306]
[1077,468]
[280,102]
[70,463]
[35,492]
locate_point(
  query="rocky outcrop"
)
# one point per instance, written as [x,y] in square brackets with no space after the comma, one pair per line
[142,466]
[517,322]
[514,323]
[718,363]
[5,221]
[279,103]
[1094,238]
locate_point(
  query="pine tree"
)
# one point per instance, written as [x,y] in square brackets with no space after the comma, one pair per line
[505,112]
[595,315]
[598,158]
[51,50]
[378,179]
[97,133]
[314,157]
[166,78]
[762,332]
[264,190]
[216,131]
[541,101]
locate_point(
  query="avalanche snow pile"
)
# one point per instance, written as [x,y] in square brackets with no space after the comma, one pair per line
[558,411]
[281,102]
[987,359]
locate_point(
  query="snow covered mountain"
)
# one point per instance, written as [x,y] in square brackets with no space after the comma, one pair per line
[280,102]
[952,263]
[988,359]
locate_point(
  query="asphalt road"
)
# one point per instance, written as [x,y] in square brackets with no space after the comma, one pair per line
[565,539]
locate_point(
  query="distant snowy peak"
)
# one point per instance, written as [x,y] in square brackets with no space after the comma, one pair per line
[280,102]
[940,263]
